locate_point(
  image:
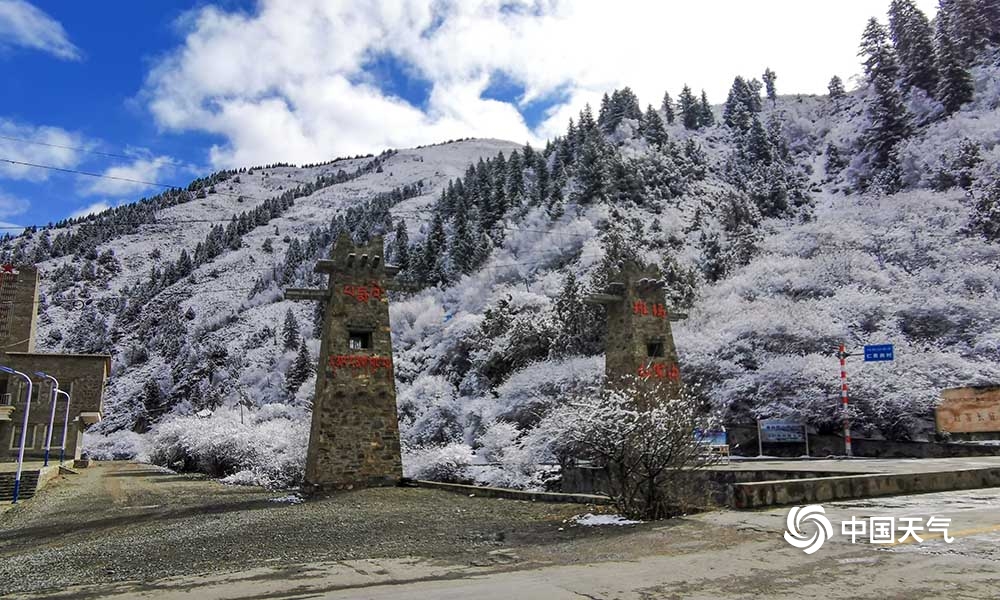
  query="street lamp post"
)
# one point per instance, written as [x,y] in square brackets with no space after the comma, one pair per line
[52,416]
[24,430]
[62,449]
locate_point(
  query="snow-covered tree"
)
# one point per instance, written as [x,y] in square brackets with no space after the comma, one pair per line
[668,108]
[689,109]
[913,41]
[769,78]
[290,331]
[706,118]
[644,439]
[886,112]
[955,83]
[836,88]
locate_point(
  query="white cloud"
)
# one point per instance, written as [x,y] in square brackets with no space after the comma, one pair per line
[142,169]
[96,207]
[59,151]
[11,206]
[287,82]
[21,24]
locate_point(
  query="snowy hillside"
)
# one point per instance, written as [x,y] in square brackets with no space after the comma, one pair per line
[785,224]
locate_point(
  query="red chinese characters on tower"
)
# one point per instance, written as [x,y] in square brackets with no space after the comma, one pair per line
[363,293]
[640,307]
[360,362]
[668,371]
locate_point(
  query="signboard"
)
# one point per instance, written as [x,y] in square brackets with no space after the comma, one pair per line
[969,410]
[777,431]
[878,352]
[710,438]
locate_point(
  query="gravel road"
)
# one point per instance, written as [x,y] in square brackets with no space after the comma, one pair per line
[123,521]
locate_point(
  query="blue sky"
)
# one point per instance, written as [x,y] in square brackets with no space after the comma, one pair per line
[177,89]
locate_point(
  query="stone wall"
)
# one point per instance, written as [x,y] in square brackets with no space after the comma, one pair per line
[83,376]
[18,319]
[743,442]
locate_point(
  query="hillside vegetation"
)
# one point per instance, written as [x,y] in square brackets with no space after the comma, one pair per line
[785,224]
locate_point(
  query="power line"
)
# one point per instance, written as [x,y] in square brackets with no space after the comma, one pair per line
[87,173]
[87,150]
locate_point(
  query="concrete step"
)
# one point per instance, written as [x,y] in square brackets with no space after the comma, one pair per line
[29,482]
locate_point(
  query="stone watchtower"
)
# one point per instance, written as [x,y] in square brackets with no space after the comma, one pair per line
[639,339]
[354,438]
[18,308]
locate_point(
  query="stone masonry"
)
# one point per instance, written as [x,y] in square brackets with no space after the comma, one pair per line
[639,339]
[82,375]
[354,438]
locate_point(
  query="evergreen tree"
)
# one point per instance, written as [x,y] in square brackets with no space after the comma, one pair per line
[462,250]
[300,370]
[541,191]
[989,11]
[743,101]
[184,264]
[591,170]
[889,124]
[652,128]
[578,329]
[290,331]
[668,108]
[706,118]
[955,86]
[836,88]
[515,179]
[879,57]
[401,246]
[432,269]
[968,27]
[689,109]
[769,79]
[912,38]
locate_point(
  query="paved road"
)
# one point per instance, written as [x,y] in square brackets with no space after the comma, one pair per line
[713,555]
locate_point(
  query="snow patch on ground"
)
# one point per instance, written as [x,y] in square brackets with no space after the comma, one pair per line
[592,520]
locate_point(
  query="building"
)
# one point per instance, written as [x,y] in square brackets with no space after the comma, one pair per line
[82,375]
[354,439]
[640,343]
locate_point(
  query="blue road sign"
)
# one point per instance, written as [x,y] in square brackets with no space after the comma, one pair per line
[878,352]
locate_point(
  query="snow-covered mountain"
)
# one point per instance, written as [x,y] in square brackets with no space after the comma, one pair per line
[786,224]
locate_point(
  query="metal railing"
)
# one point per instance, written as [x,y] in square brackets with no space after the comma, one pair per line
[6,400]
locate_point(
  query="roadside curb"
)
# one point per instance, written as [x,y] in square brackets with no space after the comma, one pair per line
[509,494]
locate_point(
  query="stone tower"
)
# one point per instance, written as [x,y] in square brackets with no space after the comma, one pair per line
[639,338]
[354,438]
[18,308]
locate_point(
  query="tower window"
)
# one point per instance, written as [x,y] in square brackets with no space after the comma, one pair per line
[359,340]
[654,349]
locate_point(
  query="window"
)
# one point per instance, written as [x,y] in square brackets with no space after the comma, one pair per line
[15,437]
[359,340]
[654,349]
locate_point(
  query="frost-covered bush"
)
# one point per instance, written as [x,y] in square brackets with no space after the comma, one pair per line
[869,269]
[530,392]
[449,462]
[117,445]
[268,448]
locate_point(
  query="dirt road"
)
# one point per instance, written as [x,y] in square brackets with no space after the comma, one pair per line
[163,536]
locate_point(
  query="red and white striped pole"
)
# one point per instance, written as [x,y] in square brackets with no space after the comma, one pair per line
[843,400]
